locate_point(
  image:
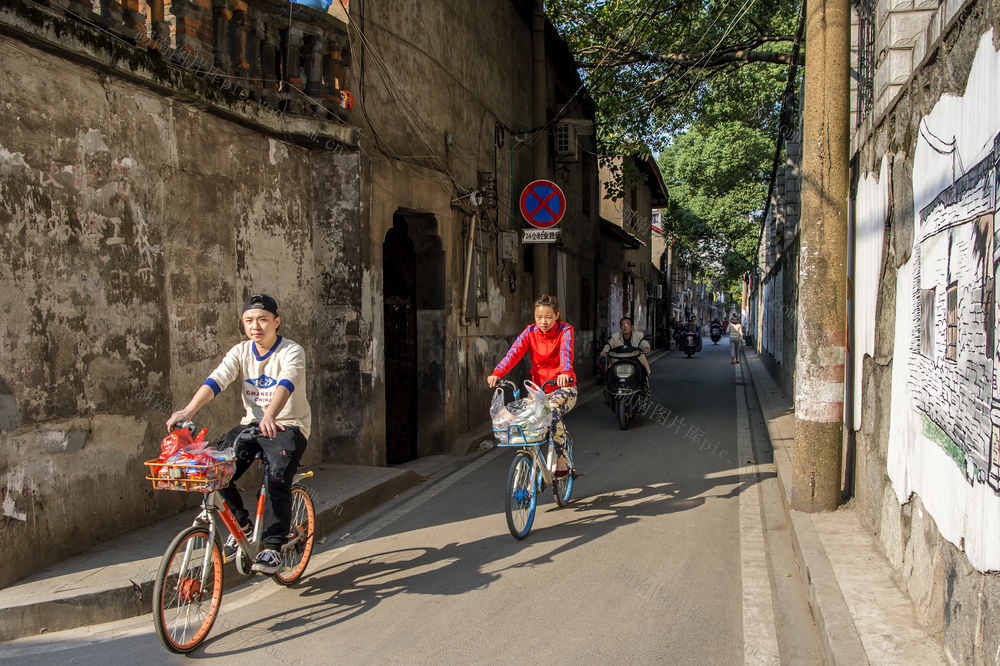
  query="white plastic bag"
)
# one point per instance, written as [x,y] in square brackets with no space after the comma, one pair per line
[538,415]
[531,414]
[498,411]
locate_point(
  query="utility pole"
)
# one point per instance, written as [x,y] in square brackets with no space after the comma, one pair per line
[822,307]
[539,118]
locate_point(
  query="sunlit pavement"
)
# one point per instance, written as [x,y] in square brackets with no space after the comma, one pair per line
[659,558]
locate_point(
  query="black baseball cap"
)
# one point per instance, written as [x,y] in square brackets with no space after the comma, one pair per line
[261,301]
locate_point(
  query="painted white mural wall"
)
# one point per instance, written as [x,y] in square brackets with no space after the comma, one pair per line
[767,333]
[945,418]
[869,225]
[773,311]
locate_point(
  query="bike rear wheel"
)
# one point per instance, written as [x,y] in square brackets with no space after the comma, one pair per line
[187,592]
[302,534]
[521,495]
[562,487]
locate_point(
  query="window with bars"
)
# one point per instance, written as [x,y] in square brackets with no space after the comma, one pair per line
[866,59]
[951,351]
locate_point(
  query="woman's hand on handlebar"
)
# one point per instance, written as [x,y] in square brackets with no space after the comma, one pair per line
[492,381]
[561,381]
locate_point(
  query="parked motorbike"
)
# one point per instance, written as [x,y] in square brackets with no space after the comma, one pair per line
[715,333]
[625,382]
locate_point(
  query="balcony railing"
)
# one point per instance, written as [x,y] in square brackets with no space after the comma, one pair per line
[285,55]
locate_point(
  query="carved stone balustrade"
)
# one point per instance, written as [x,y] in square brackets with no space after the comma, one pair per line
[288,57]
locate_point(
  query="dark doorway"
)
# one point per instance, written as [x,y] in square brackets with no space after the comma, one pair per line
[400,315]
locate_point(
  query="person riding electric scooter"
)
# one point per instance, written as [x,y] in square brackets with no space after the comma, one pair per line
[715,330]
[627,376]
[690,338]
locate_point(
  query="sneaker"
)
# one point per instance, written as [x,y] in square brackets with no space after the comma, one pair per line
[267,562]
[232,545]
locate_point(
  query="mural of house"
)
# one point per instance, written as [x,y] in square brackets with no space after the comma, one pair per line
[953,345]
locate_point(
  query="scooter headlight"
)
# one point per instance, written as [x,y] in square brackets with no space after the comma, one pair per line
[624,370]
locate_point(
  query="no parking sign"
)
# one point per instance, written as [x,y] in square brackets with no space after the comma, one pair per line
[543,204]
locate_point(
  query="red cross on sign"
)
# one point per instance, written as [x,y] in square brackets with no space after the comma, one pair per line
[543,204]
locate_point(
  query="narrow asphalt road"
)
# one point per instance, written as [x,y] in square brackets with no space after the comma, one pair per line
[661,557]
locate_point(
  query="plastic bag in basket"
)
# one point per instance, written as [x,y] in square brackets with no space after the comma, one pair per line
[498,411]
[530,413]
[539,415]
[178,442]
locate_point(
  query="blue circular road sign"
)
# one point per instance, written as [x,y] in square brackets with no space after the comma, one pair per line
[543,204]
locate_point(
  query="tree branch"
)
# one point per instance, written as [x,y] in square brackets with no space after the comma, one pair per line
[738,53]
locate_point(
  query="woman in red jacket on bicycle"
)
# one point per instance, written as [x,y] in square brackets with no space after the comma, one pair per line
[551,345]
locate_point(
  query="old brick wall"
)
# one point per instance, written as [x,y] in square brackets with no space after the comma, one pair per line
[132,226]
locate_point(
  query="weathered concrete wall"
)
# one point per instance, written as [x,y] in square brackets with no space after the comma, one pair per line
[132,226]
[447,86]
[914,512]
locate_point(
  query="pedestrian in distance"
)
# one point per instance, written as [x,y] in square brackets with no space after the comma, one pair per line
[272,370]
[551,344]
[735,338]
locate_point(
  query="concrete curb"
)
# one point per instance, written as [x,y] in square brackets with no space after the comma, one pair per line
[89,593]
[841,640]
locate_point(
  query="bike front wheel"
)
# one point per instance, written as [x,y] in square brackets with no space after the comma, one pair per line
[562,487]
[302,534]
[187,592]
[622,413]
[521,496]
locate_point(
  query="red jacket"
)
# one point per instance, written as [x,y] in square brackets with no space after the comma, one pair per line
[551,353]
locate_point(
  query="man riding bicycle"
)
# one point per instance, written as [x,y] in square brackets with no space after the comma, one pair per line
[273,373]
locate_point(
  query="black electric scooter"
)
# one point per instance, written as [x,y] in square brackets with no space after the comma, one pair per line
[625,383]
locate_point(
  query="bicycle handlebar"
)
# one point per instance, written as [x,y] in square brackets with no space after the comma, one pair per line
[513,386]
[555,382]
[187,425]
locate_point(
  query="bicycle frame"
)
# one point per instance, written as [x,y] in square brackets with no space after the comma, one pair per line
[547,467]
[214,508]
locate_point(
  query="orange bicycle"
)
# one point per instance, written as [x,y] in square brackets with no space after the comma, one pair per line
[187,592]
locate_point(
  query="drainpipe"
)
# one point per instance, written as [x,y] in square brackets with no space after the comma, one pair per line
[822,311]
[850,459]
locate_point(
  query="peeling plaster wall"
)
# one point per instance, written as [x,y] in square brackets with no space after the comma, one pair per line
[936,520]
[131,228]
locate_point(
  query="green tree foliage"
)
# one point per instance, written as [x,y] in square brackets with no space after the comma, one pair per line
[655,66]
[702,84]
[717,174]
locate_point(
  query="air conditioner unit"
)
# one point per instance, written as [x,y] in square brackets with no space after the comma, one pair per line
[566,146]
[656,291]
